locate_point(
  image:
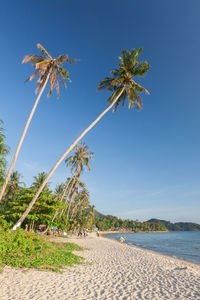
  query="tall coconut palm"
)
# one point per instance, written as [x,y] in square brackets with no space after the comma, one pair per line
[78,161]
[46,68]
[13,185]
[122,84]
[38,180]
[63,192]
[59,190]
[82,201]
[77,184]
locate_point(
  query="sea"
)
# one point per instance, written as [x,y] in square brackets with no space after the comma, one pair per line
[179,244]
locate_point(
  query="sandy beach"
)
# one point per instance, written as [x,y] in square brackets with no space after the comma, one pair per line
[112,271]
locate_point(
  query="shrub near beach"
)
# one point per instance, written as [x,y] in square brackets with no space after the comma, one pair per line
[25,249]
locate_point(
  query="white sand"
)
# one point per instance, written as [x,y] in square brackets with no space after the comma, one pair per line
[115,271]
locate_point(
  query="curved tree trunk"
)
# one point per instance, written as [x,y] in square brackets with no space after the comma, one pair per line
[61,200]
[72,199]
[22,139]
[19,222]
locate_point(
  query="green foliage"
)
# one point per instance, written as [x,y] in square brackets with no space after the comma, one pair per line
[79,159]
[41,213]
[25,249]
[38,180]
[13,186]
[180,226]
[123,79]
[109,222]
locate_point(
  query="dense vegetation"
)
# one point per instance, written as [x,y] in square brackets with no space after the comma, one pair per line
[179,226]
[114,224]
[29,250]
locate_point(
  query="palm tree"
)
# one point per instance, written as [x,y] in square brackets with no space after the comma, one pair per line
[13,185]
[46,68]
[62,192]
[82,201]
[77,184]
[59,190]
[123,85]
[78,161]
[39,180]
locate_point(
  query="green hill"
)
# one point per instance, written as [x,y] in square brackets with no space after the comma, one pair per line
[179,226]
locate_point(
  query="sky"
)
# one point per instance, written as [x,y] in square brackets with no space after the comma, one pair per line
[146,164]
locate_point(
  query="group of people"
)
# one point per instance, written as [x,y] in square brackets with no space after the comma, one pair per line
[83,233]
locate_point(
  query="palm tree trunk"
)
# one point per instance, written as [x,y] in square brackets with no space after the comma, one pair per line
[68,194]
[19,222]
[22,139]
[72,199]
[63,195]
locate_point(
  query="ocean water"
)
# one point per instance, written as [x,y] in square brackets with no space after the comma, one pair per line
[180,244]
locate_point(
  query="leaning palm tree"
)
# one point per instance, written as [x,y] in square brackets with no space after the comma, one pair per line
[13,186]
[122,84]
[77,184]
[59,190]
[80,159]
[46,68]
[38,180]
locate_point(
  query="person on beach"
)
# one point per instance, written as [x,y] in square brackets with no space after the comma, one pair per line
[79,233]
[122,239]
[97,233]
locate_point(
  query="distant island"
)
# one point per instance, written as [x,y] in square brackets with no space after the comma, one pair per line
[113,223]
[179,226]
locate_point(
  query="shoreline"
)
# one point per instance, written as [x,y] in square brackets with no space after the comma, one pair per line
[190,263]
[112,270]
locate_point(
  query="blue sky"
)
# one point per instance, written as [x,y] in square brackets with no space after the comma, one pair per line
[146,163]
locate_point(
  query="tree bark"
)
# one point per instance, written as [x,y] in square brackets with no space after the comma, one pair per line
[22,139]
[19,222]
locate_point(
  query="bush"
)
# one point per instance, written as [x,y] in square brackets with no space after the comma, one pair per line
[25,249]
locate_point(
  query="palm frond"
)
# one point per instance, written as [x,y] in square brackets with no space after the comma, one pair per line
[32,76]
[140,88]
[42,78]
[115,94]
[44,51]
[63,58]
[63,73]
[57,85]
[129,67]
[142,69]
[52,83]
[33,59]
